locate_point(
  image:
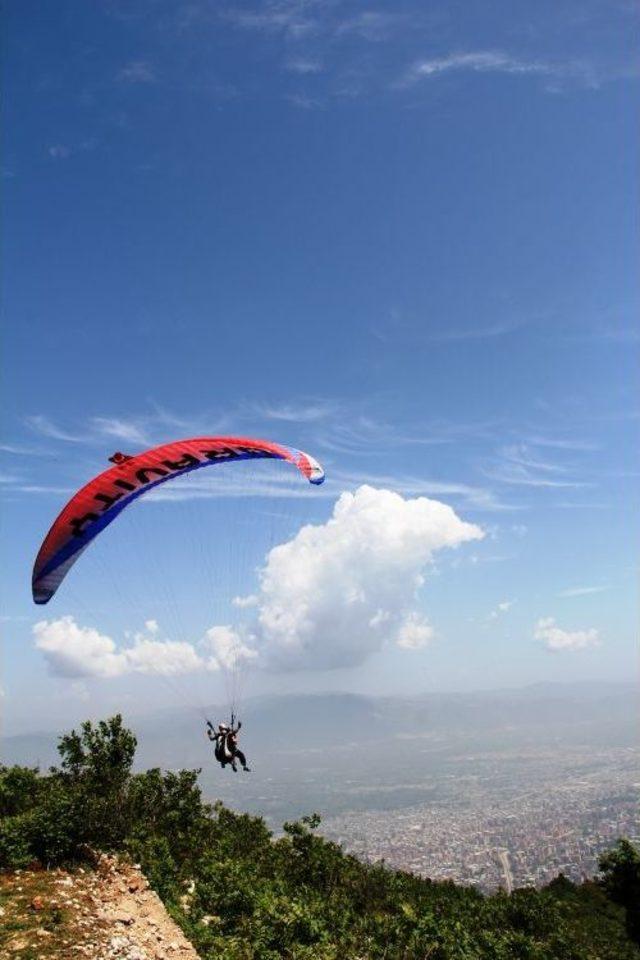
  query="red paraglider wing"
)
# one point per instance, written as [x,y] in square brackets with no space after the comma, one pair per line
[98,503]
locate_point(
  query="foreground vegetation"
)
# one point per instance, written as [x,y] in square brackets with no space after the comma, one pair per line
[240,894]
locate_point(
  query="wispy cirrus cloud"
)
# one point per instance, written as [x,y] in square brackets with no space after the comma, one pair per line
[137,71]
[160,418]
[303,411]
[521,454]
[330,428]
[480,498]
[334,34]
[302,19]
[47,428]
[139,429]
[20,450]
[502,321]
[353,432]
[519,465]
[59,151]
[292,18]
[95,429]
[304,102]
[482,331]
[215,485]
[158,424]
[497,62]
[23,487]
[580,505]
[304,66]
[63,151]
[128,430]
[564,443]
[582,591]
[521,476]
[374,26]
[279,482]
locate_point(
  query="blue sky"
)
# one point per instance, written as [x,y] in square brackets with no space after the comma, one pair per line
[399,236]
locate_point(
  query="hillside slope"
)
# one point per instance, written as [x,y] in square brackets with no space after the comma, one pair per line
[104,914]
[239,892]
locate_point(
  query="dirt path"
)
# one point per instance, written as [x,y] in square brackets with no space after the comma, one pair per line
[104,914]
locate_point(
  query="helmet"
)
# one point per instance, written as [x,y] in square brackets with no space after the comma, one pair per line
[222,726]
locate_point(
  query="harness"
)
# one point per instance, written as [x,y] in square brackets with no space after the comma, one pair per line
[222,751]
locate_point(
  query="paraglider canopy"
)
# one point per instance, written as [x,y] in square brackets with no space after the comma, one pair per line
[98,503]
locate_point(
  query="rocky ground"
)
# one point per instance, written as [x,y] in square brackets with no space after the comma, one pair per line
[106,912]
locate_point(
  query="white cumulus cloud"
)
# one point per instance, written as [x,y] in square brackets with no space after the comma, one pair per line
[330,597]
[167,658]
[228,647]
[555,638]
[72,650]
[335,593]
[414,633]
[251,600]
[75,651]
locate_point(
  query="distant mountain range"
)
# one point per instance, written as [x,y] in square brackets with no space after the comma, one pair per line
[333,751]
[575,712]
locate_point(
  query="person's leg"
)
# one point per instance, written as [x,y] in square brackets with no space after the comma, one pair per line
[243,760]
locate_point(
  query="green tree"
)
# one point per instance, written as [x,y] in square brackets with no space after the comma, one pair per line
[95,771]
[100,756]
[620,869]
[19,788]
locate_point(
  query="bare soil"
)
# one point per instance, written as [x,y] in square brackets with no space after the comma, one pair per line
[102,913]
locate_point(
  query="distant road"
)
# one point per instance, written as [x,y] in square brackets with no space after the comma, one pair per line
[506,869]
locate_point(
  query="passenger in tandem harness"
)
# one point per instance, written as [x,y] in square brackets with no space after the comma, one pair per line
[226,744]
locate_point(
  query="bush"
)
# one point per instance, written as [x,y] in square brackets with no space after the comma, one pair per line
[15,841]
[19,789]
[620,869]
